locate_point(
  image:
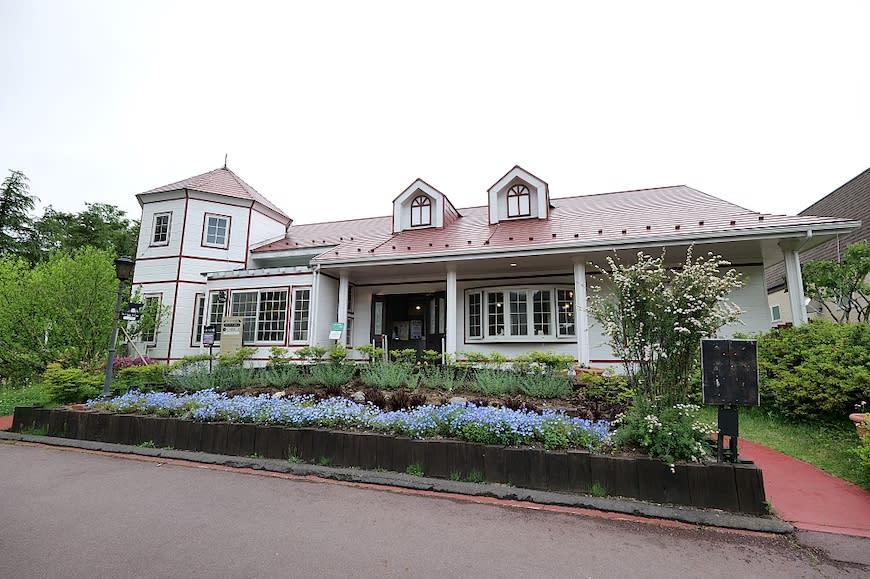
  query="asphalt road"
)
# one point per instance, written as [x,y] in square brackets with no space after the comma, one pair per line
[72,514]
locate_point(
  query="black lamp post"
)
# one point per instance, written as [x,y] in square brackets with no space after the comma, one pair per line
[123,270]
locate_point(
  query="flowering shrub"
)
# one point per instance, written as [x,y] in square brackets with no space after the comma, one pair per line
[670,433]
[487,424]
[655,318]
[128,361]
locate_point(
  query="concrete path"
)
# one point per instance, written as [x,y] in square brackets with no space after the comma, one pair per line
[807,497]
[82,514]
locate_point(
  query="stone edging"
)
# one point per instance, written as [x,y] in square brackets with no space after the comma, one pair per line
[735,488]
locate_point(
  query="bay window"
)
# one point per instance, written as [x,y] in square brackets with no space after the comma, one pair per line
[519,314]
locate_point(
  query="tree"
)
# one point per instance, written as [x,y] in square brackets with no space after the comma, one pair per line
[655,317]
[841,286]
[15,203]
[101,225]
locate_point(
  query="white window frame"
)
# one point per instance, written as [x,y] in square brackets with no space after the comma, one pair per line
[555,332]
[199,318]
[154,232]
[257,320]
[152,340]
[295,313]
[418,218]
[216,312]
[205,227]
[778,317]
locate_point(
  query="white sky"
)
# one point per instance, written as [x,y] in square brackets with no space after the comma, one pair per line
[331,109]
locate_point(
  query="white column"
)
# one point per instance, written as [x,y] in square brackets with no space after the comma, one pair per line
[343,285]
[581,316]
[795,283]
[312,304]
[452,309]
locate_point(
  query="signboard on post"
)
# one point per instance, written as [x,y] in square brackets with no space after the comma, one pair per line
[231,334]
[729,372]
[335,331]
[208,336]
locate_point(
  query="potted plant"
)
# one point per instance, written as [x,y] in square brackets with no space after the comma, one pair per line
[861,420]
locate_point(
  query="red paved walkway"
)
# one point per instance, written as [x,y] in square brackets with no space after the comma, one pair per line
[801,494]
[807,497]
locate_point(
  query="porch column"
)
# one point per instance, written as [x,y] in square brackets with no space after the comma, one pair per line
[795,284]
[452,309]
[313,307]
[581,320]
[343,285]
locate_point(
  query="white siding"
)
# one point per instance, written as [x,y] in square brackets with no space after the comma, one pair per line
[264,228]
[237,230]
[144,247]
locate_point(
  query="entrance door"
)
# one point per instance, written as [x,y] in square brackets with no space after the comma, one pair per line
[410,321]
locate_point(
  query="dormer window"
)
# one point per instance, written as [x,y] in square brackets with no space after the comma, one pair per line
[421,211]
[518,200]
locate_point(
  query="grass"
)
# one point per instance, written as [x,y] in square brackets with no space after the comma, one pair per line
[12,396]
[824,443]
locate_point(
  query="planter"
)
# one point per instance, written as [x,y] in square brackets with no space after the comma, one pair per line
[738,488]
[862,424]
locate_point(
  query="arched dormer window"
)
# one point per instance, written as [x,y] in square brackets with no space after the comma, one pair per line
[421,211]
[518,200]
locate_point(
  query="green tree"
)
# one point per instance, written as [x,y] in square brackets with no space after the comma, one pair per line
[100,225]
[60,309]
[15,203]
[841,286]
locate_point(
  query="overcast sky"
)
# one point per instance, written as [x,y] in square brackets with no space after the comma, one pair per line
[331,109]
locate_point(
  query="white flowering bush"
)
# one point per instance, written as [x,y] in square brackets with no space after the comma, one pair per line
[654,317]
[670,433]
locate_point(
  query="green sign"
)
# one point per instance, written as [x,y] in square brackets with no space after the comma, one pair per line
[335,331]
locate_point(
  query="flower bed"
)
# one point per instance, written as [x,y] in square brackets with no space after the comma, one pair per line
[303,429]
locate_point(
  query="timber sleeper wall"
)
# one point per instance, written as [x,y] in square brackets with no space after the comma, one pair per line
[731,487]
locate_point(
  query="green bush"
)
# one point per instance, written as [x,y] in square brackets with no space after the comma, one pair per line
[281,375]
[152,376]
[542,360]
[494,382]
[236,358]
[389,375]
[67,385]
[328,374]
[448,378]
[815,369]
[671,433]
[405,356]
[544,385]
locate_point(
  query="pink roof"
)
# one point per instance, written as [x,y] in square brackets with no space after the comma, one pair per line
[573,221]
[220,182]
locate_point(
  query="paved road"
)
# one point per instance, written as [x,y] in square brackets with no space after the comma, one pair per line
[82,515]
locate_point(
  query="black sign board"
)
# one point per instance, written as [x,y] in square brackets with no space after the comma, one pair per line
[729,372]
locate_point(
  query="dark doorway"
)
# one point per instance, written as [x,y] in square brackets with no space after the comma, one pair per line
[410,321]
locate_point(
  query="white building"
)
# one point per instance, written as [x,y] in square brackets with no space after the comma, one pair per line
[509,275]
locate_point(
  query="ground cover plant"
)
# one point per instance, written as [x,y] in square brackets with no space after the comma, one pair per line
[36,394]
[487,424]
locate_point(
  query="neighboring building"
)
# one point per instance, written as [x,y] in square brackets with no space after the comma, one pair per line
[510,275]
[849,201]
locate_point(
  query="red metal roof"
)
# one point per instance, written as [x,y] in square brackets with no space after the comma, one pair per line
[221,182]
[573,221]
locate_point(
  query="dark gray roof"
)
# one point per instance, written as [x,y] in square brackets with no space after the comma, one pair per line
[850,201]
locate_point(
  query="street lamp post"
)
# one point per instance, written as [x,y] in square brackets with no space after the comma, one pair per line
[123,269]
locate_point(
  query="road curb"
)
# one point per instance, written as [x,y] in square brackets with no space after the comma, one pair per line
[689,515]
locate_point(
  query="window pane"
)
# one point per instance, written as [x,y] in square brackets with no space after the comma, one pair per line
[244,304]
[216,315]
[161,229]
[200,317]
[519,313]
[474,321]
[565,307]
[301,304]
[149,319]
[495,313]
[541,312]
[216,231]
[271,316]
